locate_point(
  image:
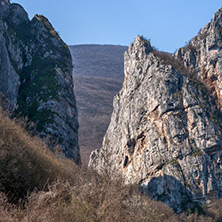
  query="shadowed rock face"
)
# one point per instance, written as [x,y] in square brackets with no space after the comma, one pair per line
[181,194]
[165,131]
[36,77]
[5,7]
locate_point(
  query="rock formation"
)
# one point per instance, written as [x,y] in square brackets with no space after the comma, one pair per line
[165,130]
[36,77]
[204,55]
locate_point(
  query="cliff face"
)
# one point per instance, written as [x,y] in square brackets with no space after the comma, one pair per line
[203,54]
[165,130]
[36,77]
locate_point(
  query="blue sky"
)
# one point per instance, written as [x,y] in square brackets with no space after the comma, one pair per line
[168,23]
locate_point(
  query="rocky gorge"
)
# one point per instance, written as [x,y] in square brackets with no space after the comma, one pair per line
[165,133]
[165,130]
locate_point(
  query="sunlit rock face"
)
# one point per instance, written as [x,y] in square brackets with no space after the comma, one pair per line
[165,130]
[204,55]
[36,77]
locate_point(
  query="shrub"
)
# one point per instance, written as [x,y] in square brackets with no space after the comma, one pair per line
[7,210]
[25,162]
[168,59]
[214,210]
[60,191]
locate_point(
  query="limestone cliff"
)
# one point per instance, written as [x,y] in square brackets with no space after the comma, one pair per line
[203,54]
[165,130]
[36,77]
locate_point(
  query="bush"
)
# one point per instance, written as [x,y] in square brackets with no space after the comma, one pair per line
[168,59]
[7,210]
[214,210]
[60,191]
[26,163]
[98,201]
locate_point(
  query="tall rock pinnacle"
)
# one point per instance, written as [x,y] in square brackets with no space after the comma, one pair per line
[165,130]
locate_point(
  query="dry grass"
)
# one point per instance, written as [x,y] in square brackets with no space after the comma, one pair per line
[104,203]
[215,210]
[25,162]
[60,191]
[168,59]
[98,200]
[8,212]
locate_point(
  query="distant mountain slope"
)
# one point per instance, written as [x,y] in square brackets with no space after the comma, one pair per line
[94,101]
[98,60]
[98,75]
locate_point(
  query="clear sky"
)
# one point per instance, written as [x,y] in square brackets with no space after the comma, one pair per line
[168,23]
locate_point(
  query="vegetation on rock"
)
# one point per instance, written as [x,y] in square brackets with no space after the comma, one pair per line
[36,78]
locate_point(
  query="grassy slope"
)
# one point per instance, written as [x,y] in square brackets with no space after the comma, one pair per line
[98,75]
[61,191]
[25,162]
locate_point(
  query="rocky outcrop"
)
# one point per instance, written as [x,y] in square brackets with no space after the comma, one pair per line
[36,77]
[203,54]
[165,130]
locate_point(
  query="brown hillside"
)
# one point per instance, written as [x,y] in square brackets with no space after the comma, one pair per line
[98,75]
[94,97]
